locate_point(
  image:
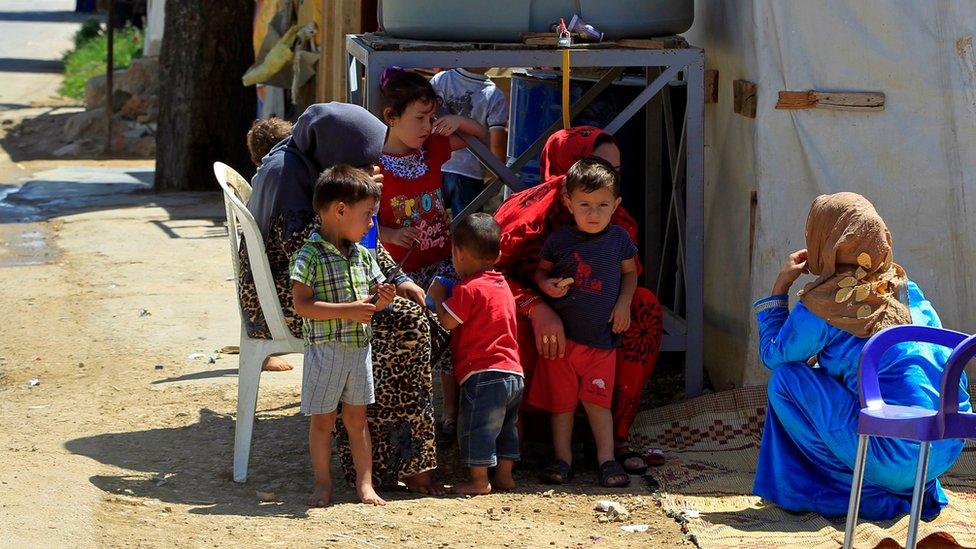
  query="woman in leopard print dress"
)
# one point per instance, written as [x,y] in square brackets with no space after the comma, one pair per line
[401,422]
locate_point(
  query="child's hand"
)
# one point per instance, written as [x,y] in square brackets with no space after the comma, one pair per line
[794,266]
[404,236]
[360,311]
[620,317]
[386,294]
[377,176]
[437,291]
[447,125]
[410,290]
[552,288]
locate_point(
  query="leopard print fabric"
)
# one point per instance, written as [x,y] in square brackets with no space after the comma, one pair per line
[440,338]
[279,250]
[401,422]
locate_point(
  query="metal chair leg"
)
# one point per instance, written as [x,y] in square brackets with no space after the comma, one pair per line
[921,469]
[854,504]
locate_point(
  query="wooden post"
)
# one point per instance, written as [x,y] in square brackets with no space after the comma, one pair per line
[341,17]
[109,73]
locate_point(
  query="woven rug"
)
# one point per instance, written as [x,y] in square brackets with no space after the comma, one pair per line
[712,444]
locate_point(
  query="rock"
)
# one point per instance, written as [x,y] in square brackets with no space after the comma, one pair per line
[95,89]
[144,147]
[136,106]
[266,497]
[71,149]
[141,78]
[135,131]
[153,113]
[95,92]
[119,99]
[85,124]
[612,511]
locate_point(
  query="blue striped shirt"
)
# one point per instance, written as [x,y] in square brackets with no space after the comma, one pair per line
[593,261]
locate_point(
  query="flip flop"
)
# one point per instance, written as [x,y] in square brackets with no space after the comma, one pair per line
[611,468]
[653,457]
[557,472]
[622,457]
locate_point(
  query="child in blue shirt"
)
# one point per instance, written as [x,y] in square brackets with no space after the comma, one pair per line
[589,275]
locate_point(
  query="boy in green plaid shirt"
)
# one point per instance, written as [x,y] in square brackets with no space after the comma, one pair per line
[334,283]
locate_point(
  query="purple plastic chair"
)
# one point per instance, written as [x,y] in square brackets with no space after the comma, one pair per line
[878,419]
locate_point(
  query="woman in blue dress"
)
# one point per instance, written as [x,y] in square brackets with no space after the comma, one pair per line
[809,441]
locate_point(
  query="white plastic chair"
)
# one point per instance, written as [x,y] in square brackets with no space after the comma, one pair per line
[253,351]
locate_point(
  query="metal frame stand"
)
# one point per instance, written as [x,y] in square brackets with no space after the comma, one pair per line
[688,218]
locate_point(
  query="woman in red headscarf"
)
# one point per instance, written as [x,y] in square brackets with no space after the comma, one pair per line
[526,219]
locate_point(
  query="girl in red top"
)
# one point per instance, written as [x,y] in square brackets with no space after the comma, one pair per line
[417,145]
[412,206]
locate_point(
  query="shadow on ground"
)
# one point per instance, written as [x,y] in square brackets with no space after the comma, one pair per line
[46,16]
[74,190]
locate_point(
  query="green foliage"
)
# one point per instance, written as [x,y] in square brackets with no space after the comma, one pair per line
[90,56]
[89,30]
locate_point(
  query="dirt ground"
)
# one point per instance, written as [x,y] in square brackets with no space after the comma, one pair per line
[127,442]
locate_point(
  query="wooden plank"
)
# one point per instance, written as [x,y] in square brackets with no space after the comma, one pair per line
[856,101]
[659,43]
[789,100]
[744,98]
[837,101]
[342,17]
[711,86]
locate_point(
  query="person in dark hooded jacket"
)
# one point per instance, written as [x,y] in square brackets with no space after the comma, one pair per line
[402,421]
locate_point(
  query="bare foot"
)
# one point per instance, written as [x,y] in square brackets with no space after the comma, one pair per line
[502,482]
[369,496]
[321,496]
[424,483]
[276,364]
[472,488]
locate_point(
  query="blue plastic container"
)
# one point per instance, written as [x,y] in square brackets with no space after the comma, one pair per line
[369,241]
[536,104]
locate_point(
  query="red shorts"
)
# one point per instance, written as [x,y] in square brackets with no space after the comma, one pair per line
[585,374]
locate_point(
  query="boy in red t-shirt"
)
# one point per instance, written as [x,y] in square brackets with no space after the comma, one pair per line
[480,311]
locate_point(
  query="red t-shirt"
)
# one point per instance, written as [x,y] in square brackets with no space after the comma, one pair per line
[486,339]
[413,196]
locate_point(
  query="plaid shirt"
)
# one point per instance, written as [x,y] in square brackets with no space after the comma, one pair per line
[335,278]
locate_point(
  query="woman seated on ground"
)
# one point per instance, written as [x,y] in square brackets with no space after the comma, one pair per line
[526,219]
[402,420]
[809,441]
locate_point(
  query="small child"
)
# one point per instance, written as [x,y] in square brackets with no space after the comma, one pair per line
[334,284]
[412,208]
[470,93]
[264,134]
[589,274]
[480,311]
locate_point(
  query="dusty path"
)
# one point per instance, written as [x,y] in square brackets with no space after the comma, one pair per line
[110,449]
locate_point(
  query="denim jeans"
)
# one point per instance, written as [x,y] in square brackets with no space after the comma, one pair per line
[460,190]
[488,418]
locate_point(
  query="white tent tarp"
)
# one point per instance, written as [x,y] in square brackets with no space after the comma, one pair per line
[916,160]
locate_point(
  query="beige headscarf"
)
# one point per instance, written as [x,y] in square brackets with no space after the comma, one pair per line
[859,289]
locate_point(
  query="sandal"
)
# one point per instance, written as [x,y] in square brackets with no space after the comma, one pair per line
[557,472]
[622,458]
[653,457]
[610,469]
